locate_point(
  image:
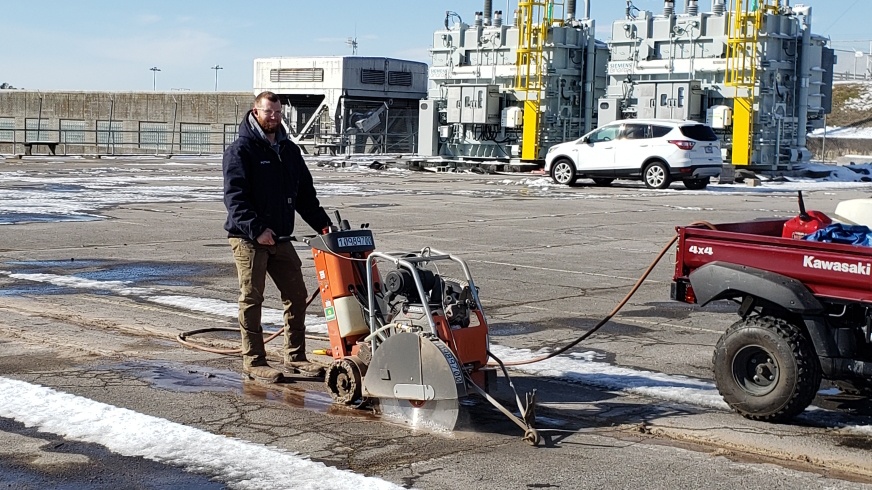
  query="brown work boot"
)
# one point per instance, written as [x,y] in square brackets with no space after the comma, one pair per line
[305,368]
[264,372]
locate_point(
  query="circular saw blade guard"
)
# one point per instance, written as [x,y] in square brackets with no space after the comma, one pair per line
[417,379]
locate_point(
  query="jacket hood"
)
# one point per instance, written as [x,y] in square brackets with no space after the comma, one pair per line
[249,128]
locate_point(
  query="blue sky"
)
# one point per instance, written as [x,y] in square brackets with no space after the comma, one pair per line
[110,45]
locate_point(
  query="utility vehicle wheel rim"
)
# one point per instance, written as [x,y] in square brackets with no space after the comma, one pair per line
[563,172]
[655,175]
[755,370]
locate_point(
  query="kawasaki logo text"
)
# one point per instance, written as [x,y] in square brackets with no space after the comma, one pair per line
[849,267]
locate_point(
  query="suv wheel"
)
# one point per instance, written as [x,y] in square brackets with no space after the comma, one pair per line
[696,184]
[656,176]
[766,369]
[563,172]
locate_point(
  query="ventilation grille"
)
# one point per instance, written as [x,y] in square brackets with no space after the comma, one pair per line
[372,77]
[307,75]
[402,78]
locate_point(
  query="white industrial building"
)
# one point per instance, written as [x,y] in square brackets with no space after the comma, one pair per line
[347,104]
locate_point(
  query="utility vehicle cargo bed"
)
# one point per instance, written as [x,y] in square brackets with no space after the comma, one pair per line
[841,272]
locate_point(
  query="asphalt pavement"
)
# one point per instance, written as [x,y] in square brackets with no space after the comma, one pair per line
[549,261]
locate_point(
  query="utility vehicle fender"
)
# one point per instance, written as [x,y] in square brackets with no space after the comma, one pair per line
[720,280]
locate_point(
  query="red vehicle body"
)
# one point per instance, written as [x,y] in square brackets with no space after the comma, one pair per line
[819,266]
[805,308]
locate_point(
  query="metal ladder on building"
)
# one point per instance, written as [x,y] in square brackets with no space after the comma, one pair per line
[741,73]
[534,19]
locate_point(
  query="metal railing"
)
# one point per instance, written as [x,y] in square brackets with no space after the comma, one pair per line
[117,141]
[38,135]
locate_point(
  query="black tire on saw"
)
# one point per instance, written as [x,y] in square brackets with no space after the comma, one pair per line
[766,369]
[344,382]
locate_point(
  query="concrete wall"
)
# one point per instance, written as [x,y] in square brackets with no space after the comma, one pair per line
[121,122]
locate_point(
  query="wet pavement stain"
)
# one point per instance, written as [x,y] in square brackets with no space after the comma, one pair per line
[509,329]
[291,393]
[59,187]
[181,378]
[145,273]
[58,263]
[19,218]
[194,379]
[139,273]
[35,289]
[373,205]
[856,442]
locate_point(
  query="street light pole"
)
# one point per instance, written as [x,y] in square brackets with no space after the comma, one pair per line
[154,71]
[216,68]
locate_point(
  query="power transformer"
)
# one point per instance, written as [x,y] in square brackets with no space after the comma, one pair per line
[510,90]
[752,69]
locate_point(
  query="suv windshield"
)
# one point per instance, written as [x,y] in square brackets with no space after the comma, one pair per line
[699,132]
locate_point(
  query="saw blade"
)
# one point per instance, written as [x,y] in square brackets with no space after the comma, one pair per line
[432,414]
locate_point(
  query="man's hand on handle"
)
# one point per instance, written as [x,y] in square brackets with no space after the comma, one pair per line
[266,238]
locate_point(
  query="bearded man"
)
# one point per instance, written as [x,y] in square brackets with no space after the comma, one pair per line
[266,182]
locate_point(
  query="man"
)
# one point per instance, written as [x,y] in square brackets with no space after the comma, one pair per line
[265,183]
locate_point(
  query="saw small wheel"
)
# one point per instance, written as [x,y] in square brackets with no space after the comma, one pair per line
[343,382]
[531,437]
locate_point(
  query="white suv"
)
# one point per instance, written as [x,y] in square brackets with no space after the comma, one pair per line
[657,151]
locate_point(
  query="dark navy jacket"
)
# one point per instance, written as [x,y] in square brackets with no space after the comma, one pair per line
[263,187]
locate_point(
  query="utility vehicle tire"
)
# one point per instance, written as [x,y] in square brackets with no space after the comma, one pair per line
[766,369]
[696,184]
[603,181]
[656,176]
[563,172]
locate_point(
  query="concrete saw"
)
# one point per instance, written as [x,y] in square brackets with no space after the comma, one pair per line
[404,335]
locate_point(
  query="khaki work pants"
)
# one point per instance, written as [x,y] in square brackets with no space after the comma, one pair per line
[280,261]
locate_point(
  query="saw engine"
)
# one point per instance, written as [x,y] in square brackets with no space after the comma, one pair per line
[403,336]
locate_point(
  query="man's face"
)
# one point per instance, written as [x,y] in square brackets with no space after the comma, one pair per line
[268,115]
